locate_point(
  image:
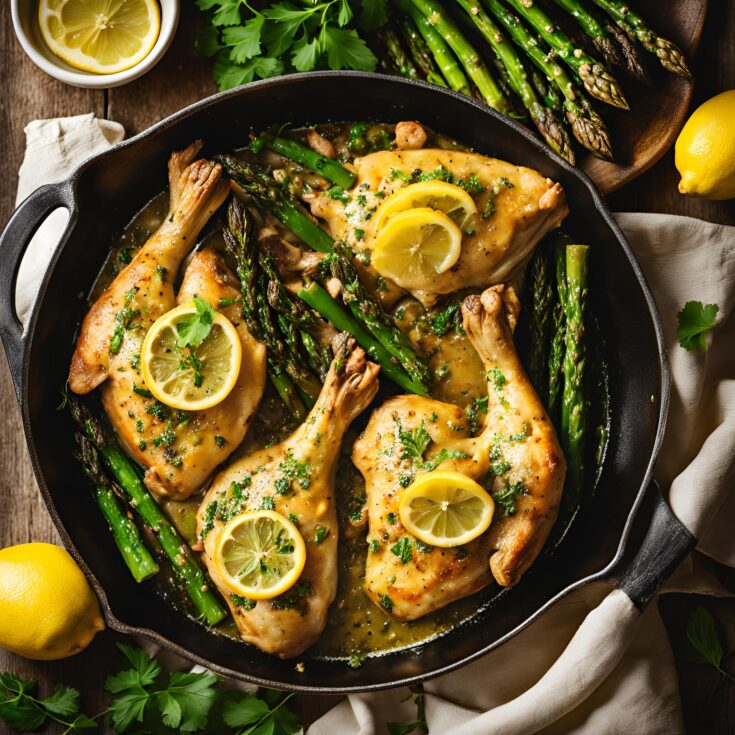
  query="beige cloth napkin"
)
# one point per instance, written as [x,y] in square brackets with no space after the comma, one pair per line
[592,665]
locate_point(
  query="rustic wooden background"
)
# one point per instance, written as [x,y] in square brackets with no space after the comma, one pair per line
[181,78]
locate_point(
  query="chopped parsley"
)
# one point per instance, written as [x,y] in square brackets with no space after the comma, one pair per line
[374,546]
[124,256]
[421,546]
[227,302]
[220,441]
[507,498]
[405,480]
[294,599]
[450,317]
[414,442]
[244,603]
[123,321]
[320,534]
[520,436]
[473,410]
[443,456]
[386,603]
[267,503]
[403,549]
[142,391]
[294,470]
[472,185]
[391,518]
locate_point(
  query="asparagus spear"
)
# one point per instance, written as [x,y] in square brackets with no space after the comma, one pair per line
[596,79]
[542,299]
[473,64]
[240,243]
[556,350]
[587,126]
[419,51]
[371,314]
[574,401]
[326,167]
[185,567]
[443,55]
[397,57]
[668,54]
[602,40]
[257,182]
[543,117]
[634,63]
[319,300]
[127,538]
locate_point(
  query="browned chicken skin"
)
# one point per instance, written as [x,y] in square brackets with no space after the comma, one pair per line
[350,386]
[517,448]
[178,466]
[516,209]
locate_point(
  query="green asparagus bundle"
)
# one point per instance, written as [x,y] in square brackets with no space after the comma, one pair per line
[185,567]
[397,59]
[543,117]
[574,404]
[541,288]
[127,538]
[587,126]
[613,45]
[596,79]
[419,51]
[443,55]
[240,243]
[476,69]
[556,349]
[668,54]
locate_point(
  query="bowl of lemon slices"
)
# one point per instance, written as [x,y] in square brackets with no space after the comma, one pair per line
[95,43]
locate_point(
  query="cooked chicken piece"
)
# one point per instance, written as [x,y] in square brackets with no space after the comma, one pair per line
[516,209]
[180,450]
[517,453]
[308,459]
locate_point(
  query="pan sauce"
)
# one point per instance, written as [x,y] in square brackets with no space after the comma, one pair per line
[356,626]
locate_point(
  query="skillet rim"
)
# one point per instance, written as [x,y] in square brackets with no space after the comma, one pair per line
[69,189]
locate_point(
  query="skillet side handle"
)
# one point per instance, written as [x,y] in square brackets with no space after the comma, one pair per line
[666,543]
[14,240]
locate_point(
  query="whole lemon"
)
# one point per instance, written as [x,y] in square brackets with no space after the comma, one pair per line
[47,608]
[705,150]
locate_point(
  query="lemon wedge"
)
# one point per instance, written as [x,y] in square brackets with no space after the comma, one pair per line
[446,509]
[260,555]
[100,36]
[453,200]
[415,246]
[190,378]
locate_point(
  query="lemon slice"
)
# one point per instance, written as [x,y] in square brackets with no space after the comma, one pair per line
[190,379]
[415,246]
[453,200]
[446,509]
[100,36]
[260,554]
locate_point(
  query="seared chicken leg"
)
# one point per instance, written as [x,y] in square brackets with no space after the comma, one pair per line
[180,450]
[517,454]
[308,459]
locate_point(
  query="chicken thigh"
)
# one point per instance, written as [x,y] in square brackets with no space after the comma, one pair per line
[516,455]
[307,460]
[516,208]
[179,449]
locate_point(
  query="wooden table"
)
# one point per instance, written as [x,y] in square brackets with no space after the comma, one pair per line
[181,78]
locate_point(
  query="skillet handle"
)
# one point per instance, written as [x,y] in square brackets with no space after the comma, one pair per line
[14,240]
[665,544]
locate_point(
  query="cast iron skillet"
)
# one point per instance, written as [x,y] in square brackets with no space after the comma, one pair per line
[107,190]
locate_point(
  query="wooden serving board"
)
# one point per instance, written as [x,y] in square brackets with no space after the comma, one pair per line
[641,136]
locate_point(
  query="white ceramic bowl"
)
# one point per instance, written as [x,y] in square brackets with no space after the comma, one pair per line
[25,22]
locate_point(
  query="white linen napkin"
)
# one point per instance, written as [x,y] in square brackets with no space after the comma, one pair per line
[592,665]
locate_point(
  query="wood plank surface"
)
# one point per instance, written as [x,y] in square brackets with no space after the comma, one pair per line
[181,78]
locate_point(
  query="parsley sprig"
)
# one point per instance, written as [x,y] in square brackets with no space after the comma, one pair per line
[249,43]
[145,698]
[23,710]
[703,643]
[695,322]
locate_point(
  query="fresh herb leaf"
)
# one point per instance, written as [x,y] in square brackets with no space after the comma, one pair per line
[403,550]
[194,329]
[695,322]
[408,728]
[507,498]
[414,442]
